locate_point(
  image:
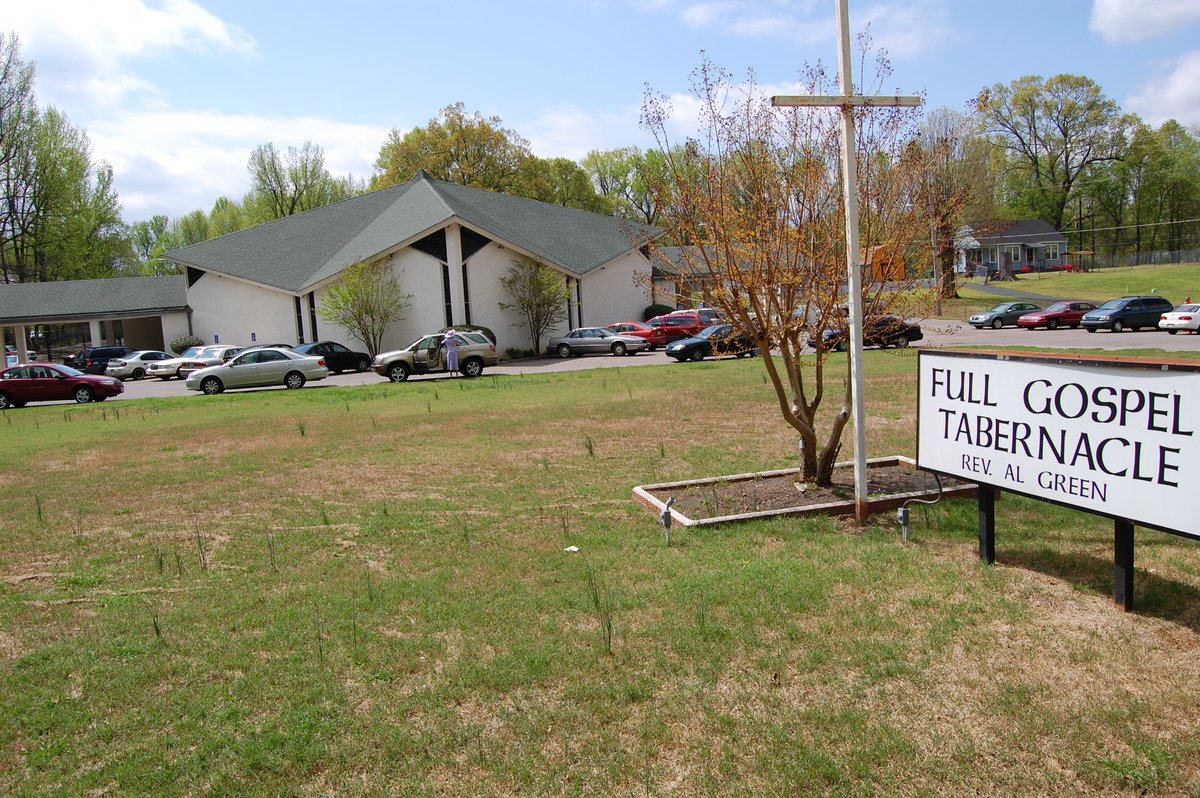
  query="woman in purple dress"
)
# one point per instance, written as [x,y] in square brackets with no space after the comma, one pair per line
[450,341]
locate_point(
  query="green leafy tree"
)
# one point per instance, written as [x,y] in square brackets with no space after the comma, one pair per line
[628,178]
[1052,132]
[283,184]
[539,295]
[365,300]
[561,181]
[457,147]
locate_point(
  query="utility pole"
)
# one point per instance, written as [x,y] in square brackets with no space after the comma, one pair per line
[848,101]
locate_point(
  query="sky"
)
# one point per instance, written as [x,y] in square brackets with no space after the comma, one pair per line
[175,94]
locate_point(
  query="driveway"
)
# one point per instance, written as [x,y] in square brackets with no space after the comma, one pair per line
[938,332]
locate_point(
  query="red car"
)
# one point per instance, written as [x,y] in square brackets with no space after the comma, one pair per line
[655,336]
[679,324]
[49,382]
[1066,313]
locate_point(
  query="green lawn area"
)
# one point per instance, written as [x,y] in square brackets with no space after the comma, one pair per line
[363,591]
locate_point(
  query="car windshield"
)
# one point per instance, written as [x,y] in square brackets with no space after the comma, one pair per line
[1000,308]
[715,329]
[72,372]
[1112,304]
[192,351]
[1187,308]
[1058,306]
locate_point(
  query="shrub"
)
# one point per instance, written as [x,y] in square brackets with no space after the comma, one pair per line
[655,310]
[513,353]
[182,343]
[473,327]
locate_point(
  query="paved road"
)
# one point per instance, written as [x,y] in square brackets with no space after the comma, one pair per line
[937,333]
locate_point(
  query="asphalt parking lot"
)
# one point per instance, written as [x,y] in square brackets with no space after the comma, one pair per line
[937,333]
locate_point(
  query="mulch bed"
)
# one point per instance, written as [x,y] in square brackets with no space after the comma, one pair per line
[788,491]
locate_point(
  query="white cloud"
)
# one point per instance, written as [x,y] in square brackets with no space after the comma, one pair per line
[1175,95]
[904,29]
[172,162]
[909,29]
[1140,20]
[83,48]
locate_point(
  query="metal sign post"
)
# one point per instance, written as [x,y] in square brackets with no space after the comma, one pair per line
[847,101]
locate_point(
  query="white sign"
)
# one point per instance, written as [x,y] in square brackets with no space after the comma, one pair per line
[1120,440]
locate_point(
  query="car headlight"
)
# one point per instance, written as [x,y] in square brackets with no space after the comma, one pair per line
[1102,318]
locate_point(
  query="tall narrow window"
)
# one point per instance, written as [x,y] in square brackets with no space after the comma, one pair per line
[466,294]
[446,295]
[299,321]
[579,300]
[312,313]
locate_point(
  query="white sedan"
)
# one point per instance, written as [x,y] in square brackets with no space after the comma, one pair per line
[257,368]
[135,364]
[1184,317]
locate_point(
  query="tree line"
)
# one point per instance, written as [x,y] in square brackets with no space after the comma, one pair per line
[1054,149]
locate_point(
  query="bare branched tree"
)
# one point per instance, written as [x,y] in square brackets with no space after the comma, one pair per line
[754,204]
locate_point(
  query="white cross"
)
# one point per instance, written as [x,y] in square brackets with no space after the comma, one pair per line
[847,101]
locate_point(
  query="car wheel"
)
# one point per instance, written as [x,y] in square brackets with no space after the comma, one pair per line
[211,386]
[1052,324]
[900,342]
[619,349]
[564,350]
[139,374]
[293,380]
[472,367]
[651,347]
[1172,332]
[1118,326]
[398,372]
[5,402]
[362,365]
[1090,329]
[83,395]
[997,323]
[697,355]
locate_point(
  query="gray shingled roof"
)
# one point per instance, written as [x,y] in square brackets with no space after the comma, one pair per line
[1022,231]
[72,300]
[297,252]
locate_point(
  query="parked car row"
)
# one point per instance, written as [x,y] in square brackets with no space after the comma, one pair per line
[1117,315]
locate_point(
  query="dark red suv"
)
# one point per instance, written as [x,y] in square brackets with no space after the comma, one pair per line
[684,323]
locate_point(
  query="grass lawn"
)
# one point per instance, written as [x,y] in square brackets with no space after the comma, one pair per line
[364,591]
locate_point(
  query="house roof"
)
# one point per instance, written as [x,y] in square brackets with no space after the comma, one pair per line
[1021,231]
[76,300]
[298,252]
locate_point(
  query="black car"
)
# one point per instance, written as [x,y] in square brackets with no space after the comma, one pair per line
[1133,312]
[881,331]
[713,341]
[337,357]
[95,360]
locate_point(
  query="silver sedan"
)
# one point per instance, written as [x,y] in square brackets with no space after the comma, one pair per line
[596,340]
[257,368]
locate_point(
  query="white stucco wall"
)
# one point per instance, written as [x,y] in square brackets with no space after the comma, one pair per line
[233,309]
[610,293]
[616,292]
